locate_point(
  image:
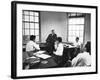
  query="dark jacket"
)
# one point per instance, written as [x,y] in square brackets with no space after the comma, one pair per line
[51,39]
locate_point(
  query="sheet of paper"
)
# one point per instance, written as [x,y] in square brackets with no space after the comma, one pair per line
[71,46]
[31,57]
[39,52]
[44,56]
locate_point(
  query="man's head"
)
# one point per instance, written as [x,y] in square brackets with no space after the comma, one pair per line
[32,37]
[59,39]
[88,47]
[53,31]
[77,39]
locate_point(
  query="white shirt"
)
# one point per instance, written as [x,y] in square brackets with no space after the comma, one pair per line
[59,50]
[31,46]
[82,59]
[77,44]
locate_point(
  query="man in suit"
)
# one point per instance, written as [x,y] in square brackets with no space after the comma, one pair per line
[50,41]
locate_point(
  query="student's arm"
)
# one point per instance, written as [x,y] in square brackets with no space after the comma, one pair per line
[36,46]
[59,50]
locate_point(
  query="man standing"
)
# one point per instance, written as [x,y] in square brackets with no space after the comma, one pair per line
[50,41]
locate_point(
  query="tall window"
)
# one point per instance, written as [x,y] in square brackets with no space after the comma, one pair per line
[31,23]
[75,26]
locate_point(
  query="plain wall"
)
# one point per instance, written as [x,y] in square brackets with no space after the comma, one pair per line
[53,20]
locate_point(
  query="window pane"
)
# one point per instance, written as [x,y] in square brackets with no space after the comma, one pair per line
[71,33]
[36,19]
[26,25]
[82,20]
[81,33]
[37,38]
[77,33]
[32,32]
[32,18]
[73,14]
[36,25]
[32,13]
[71,39]
[26,12]
[36,14]
[32,25]
[71,27]
[36,32]
[81,27]
[77,27]
[76,21]
[79,14]
[71,21]
[26,31]
[26,18]
[81,39]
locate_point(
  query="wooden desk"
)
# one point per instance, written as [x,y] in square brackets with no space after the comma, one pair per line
[45,63]
[49,63]
[71,52]
[43,46]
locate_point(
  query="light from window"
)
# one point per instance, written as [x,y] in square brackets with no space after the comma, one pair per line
[75,28]
[30,23]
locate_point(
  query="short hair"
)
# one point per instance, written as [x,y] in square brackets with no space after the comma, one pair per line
[32,37]
[77,38]
[52,30]
[59,39]
[88,47]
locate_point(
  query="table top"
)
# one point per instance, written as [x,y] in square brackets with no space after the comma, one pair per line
[47,63]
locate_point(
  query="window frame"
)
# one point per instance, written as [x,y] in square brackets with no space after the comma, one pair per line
[76,16]
[23,23]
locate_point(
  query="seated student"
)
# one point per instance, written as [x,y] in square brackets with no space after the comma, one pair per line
[59,49]
[83,59]
[31,46]
[77,45]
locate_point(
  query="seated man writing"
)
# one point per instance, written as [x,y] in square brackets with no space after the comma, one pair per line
[31,46]
[59,50]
